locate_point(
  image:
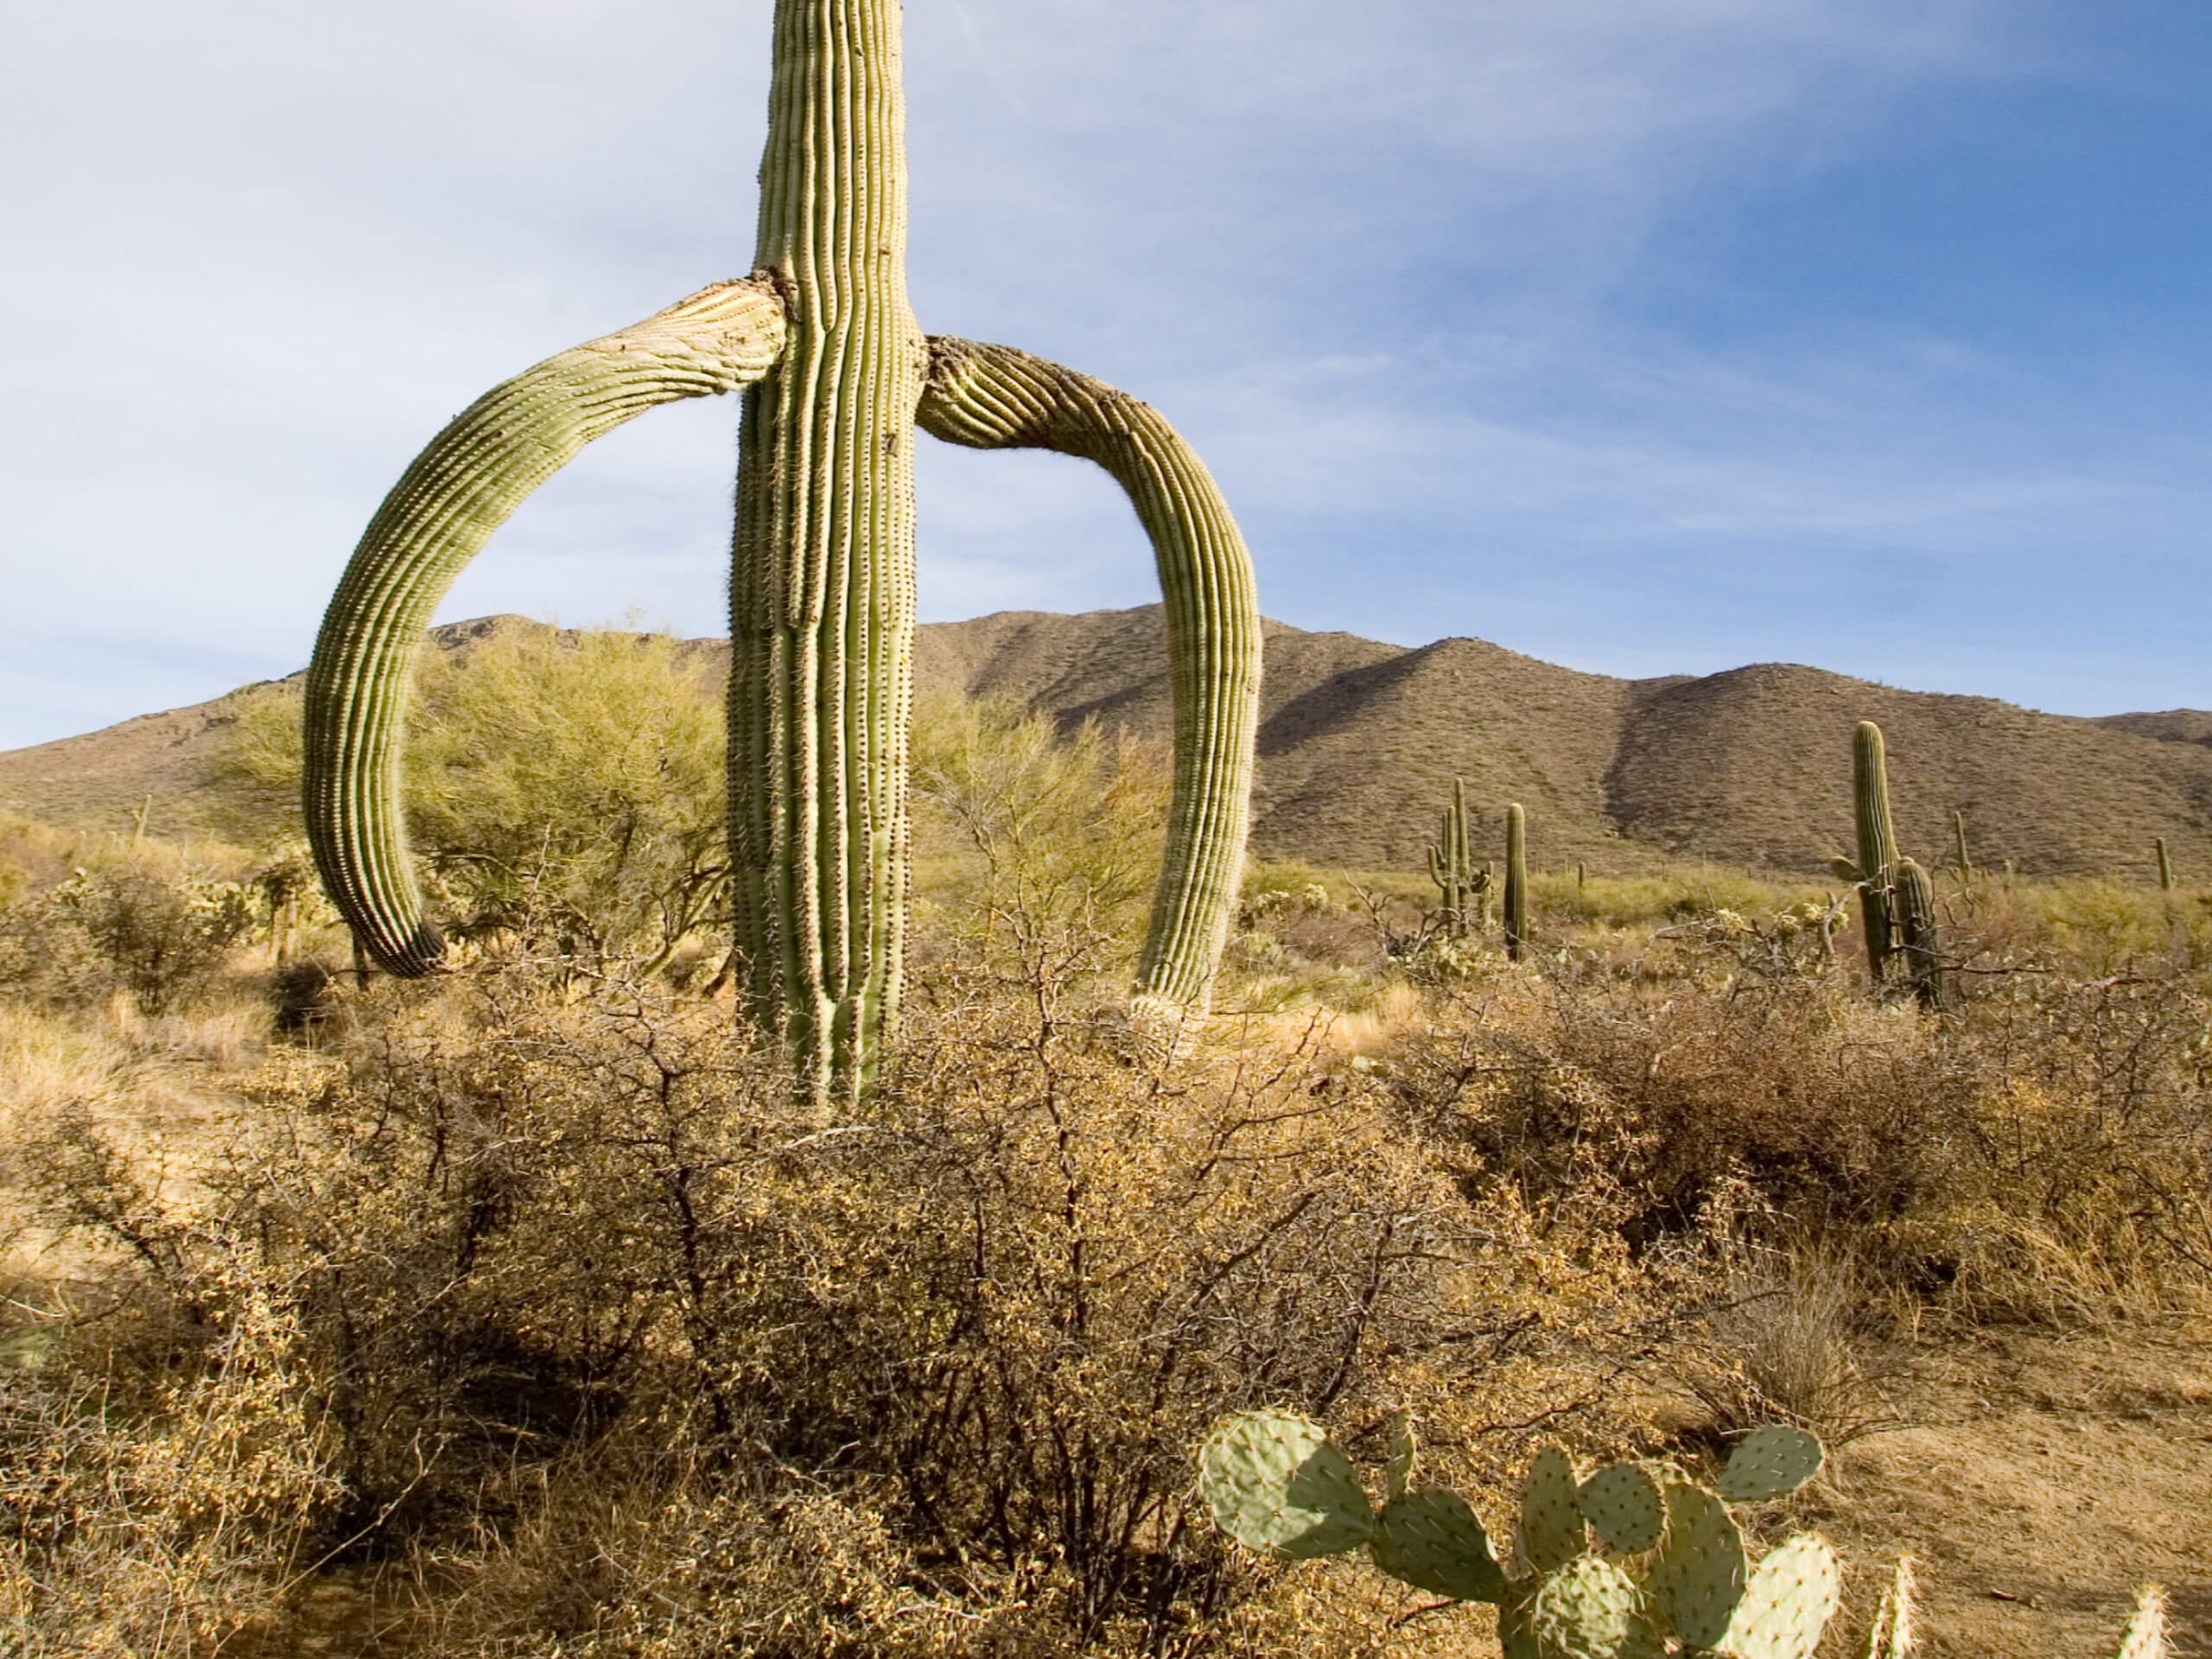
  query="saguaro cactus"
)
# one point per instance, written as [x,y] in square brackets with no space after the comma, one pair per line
[1451,863]
[1959,849]
[1912,901]
[1877,844]
[836,375]
[2165,864]
[1517,880]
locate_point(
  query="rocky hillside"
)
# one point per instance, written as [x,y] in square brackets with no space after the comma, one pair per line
[1359,742]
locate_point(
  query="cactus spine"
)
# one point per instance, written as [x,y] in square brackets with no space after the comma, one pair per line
[2165,864]
[836,374]
[1517,880]
[1877,842]
[1450,864]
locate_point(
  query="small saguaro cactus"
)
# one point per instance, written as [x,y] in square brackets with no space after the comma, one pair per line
[2165,864]
[1450,864]
[1674,1576]
[1877,844]
[1965,865]
[1517,880]
[835,375]
[1912,903]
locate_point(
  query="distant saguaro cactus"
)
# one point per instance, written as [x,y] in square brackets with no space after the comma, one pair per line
[1877,844]
[1958,848]
[1450,864]
[836,375]
[1516,881]
[2166,865]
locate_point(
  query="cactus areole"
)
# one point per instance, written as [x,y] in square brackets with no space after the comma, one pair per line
[836,375]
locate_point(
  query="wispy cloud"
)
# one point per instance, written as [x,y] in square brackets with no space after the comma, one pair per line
[1409,274]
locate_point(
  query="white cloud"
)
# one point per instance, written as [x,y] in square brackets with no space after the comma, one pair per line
[1370,257]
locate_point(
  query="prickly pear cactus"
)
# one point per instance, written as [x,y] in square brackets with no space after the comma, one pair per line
[1698,1576]
[1276,1482]
[1673,1579]
[1787,1603]
[1625,1506]
[1770,1462]
[1591,1609]
[1551,1512]
[1431,1540]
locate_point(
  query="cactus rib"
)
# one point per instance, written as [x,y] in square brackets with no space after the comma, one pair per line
[466,483]
[994,396]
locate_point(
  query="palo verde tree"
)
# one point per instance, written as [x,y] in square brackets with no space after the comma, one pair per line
[836,375]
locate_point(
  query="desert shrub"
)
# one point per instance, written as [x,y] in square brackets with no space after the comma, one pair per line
[564,789]
[2045,1152]
[153,921]
[156,1507]
[534,1244]
[1036,842]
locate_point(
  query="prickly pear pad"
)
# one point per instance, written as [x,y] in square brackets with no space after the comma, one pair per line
[1625,1507]
[1788,1602]
[1275,1483]
[1551,1512]
[1431,1540]
[1590,1610]
[1403,1451]
[1698,1578]
[1771,1462]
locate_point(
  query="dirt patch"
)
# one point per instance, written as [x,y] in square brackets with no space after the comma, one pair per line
[2040,1481]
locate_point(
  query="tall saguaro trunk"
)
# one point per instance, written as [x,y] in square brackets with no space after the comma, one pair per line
[837,377]
[822,589]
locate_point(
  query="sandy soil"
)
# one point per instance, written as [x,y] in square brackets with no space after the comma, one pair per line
[2040,1481]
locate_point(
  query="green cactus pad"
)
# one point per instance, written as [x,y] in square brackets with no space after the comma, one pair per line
[1404,1450]
[1772,1462]
[1431,1540]
[1788,1602]
[1551,1512]
[1698,1578]
[1274,1482]
[1591,1610]
[2145,1636]
[1626,1507]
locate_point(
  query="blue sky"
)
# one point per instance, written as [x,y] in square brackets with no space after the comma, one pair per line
[1644,336]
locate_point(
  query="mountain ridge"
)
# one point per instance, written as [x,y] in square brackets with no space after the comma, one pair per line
[1360,741]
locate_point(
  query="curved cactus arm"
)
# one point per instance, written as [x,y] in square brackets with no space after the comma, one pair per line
[446,505]
[995,397]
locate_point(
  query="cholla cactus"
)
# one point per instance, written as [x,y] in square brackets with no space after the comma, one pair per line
[1673,1576]
[836,375]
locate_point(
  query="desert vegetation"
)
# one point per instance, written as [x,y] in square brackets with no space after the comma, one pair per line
[528,1309]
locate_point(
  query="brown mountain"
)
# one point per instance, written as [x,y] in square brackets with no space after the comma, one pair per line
[1359,742]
